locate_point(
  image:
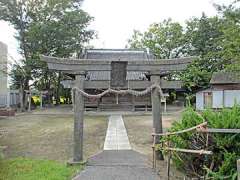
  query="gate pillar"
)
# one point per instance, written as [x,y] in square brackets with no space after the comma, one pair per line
[156,110]
[78,118]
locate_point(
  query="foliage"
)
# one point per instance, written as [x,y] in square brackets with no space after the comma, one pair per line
[165,39]
[195,77]
[225,147]
[31,169]
[49,27]
[202,40]
[215,41]
[231,35]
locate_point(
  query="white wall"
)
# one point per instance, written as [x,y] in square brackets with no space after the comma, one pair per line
[230,97]
[199,101]
[227,98]
[217,99]
[3,75]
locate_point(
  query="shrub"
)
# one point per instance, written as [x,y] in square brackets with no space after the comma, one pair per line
[225,147]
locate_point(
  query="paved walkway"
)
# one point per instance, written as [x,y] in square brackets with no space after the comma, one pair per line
[117,161]
[116,138]
[117,165]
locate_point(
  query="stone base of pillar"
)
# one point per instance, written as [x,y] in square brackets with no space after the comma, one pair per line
[71,162]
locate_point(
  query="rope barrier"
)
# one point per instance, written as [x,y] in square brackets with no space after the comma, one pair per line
[199,126]
[122,92]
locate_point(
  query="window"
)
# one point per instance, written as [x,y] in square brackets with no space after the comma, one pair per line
[208,99]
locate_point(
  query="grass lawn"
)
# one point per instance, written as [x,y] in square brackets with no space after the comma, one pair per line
[30,169]
[38,146]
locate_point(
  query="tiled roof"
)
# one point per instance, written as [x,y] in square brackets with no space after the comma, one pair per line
[225,78]
[116,54]
[106,75]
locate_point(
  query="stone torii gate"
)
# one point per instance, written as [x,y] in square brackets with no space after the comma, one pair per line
[78,67]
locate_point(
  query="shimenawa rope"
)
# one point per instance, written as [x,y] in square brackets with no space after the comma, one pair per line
[122,92]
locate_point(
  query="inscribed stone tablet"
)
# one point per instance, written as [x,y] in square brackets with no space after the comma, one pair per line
[119,74]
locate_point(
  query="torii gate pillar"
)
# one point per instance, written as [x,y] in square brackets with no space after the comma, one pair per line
[78,118]
[156,110]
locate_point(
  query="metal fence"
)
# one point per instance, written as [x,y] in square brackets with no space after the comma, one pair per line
[3,100]
[9,99]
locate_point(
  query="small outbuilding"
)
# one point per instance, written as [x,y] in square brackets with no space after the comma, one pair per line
[224,91]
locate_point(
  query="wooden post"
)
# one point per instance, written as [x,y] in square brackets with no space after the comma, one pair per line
[116,98]
[41,100]
[133,103]
[78,119]
[154,153]
[238,168]
[168,160]
[98,104]
[156,111]
[21,98]
[29,100]
[165,104]
[72,96]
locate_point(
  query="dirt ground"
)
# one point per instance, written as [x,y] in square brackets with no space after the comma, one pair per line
[49,136]
[139,129]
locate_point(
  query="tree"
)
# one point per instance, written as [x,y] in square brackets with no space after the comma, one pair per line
[48,27]
[200,38]
[62,35]
[203,37]
[164,39]
[216,40]
[231,35]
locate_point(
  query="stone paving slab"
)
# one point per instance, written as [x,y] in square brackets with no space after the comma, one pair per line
[116,137]
[117,161]
[119,173]
[121,158]
[117,165]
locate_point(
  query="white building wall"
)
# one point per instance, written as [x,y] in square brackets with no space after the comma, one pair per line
[3,75]
[231,97]
[199,101]
[217,99]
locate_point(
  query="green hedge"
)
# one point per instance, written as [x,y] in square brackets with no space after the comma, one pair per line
[225,147]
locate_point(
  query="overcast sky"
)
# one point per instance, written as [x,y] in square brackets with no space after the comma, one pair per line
[115,20]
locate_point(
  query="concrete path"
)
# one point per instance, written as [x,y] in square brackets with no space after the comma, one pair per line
[117,161]
[117,165]
[116,137]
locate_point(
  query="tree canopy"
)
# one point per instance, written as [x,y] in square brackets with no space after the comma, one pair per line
[164,39]
[50,27]
[214,41]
